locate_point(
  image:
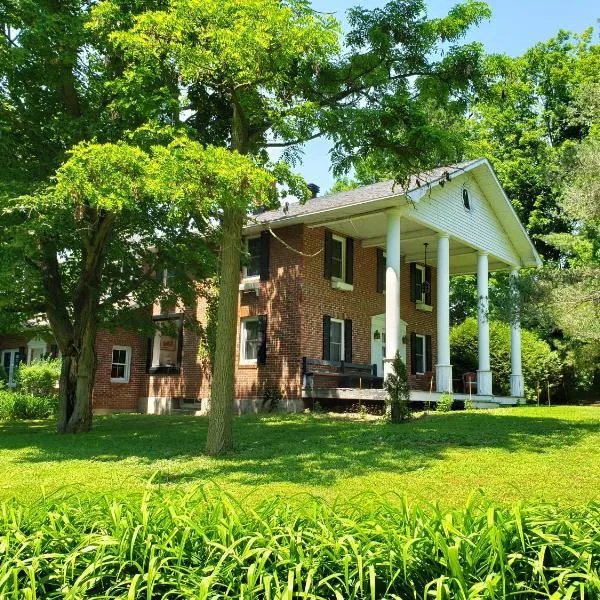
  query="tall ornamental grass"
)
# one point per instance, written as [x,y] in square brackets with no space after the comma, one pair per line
[175,545]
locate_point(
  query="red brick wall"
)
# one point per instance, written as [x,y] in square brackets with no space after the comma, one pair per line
[280,298]
[360,304]
[295,298]
[119,396]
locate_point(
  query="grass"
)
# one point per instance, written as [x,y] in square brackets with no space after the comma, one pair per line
[547,454]
[193,546]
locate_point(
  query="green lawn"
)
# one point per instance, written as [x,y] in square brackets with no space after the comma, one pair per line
[521,453]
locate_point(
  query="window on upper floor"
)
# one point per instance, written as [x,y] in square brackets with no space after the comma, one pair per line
[339,260]
[420,284]
[252,266]
[256,259]
[166,347]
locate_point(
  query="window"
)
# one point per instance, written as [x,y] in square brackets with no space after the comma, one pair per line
[252,267]
[121,364]
[421,283]
[166,345]
[36,350]
[338,258]
[249,340]
[420,286]
[336,340]
[420,354]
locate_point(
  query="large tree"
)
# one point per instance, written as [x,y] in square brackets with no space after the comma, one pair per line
[276,74]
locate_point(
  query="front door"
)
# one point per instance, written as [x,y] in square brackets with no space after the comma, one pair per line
[378,342]
[10,363]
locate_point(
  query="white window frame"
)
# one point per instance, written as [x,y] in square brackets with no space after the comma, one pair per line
[124,379]
[423,338]
[36,344]
[243,339]
[342,240]
[245,275]
[11,369]
[342,335]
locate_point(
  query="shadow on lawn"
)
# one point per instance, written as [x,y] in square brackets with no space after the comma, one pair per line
[291,448]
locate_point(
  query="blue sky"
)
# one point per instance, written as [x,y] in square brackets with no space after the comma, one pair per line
[515,26]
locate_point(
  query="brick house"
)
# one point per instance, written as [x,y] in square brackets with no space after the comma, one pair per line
[329,292]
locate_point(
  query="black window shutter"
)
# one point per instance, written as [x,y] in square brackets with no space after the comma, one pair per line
[380,270]
[180,344]
[349,260]
[326,336]
[327,254]
[348,340]
[428,356]
[413,282]
[149,348]
[261,358]
[413,353]
[265,243]
[428,286]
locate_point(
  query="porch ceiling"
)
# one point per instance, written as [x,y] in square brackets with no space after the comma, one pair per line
[371,228]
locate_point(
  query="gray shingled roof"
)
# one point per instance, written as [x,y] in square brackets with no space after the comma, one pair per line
[360,194]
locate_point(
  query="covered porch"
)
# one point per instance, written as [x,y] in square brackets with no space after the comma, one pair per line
[457,222]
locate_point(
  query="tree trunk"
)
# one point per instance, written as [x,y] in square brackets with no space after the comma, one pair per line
[76,383]
[220,424]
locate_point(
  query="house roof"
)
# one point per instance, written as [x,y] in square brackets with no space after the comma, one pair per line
[360,195]
[426,204]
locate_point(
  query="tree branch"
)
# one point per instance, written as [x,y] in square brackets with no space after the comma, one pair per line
[293,142]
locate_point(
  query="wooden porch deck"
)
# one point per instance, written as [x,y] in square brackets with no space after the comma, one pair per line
[370,395]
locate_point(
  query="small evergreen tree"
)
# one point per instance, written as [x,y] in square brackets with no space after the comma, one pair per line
[398,391]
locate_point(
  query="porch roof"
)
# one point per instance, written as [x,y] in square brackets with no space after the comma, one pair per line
[360,213]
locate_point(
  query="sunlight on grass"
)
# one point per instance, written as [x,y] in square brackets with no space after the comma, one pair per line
[510,454]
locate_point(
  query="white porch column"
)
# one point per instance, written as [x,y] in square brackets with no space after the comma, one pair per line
[392,289]
[517,387]
[443,368]
[484,374]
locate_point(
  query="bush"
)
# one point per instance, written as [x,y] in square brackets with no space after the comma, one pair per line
[398,391]
[18,405]
[444,403]
[194,545]
[39,378]
[540,364]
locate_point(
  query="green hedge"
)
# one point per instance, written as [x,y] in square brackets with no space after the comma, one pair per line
[40,377]
[190,546]
[540,364]
[19,405]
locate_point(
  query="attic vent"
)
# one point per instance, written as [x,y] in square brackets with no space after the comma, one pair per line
[466,199]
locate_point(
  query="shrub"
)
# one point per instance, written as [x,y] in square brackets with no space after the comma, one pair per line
[272,399]
[444,403]
[40,377]
[540,364]
[194,545]
[398,391]
[18,405]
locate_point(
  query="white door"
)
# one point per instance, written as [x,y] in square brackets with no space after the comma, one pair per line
[378,342]
[9,362]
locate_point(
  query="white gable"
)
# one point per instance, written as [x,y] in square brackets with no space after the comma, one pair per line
[442,209]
